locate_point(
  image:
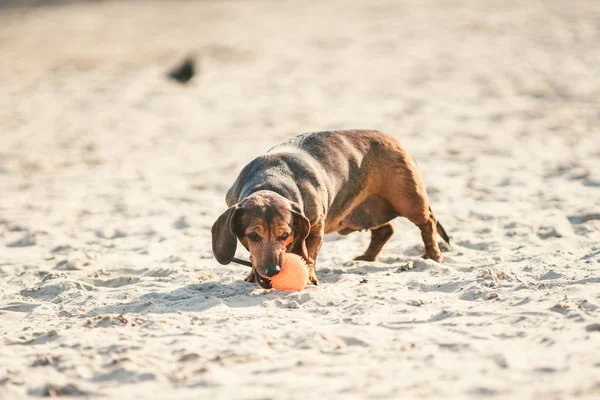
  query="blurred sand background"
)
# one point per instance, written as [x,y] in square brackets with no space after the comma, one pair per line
[111,176]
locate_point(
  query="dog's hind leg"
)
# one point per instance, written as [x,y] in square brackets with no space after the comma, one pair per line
[413,205]
[428,227]
[379,236]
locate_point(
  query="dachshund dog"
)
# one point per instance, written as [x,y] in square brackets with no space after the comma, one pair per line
[319,183]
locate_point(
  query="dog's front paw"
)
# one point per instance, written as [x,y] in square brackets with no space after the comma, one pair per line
[312,276]
[251,277]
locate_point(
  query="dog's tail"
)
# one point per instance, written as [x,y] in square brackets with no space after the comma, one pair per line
[441,231]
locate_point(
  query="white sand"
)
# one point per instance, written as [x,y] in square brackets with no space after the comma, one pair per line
[111,177]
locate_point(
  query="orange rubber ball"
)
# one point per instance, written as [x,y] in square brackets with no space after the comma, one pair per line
[293,274]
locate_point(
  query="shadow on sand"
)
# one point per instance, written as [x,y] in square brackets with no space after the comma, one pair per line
[197,297]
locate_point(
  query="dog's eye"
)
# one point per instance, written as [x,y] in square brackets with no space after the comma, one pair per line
[284,236]
[253,236]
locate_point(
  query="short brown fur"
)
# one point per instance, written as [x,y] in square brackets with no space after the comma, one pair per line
[319,183]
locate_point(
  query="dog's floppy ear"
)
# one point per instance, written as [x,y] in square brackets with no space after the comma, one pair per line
[301,231]
[224,240]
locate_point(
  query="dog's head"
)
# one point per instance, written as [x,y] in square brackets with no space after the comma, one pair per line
[268,225]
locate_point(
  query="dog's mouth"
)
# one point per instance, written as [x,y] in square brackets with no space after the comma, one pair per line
[263,282]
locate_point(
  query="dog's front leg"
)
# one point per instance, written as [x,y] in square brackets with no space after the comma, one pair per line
[313,245]
[251,277]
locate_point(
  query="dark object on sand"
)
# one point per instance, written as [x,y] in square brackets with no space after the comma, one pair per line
[184,72]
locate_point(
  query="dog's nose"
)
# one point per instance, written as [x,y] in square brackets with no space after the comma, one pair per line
[272,270]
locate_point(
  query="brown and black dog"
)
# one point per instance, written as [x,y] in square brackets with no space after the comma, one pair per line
[318,183]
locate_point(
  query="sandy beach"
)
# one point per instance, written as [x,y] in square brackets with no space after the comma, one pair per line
[112,175]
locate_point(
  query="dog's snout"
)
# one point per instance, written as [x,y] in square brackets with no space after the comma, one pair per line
[272,270]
